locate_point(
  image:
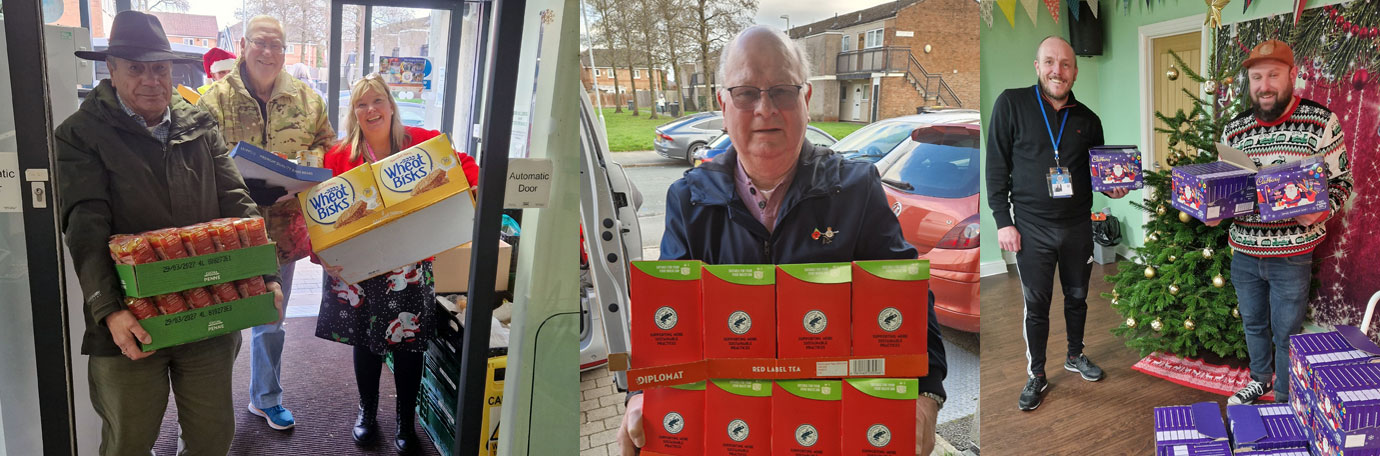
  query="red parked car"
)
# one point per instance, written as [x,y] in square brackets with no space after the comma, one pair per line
[931,181]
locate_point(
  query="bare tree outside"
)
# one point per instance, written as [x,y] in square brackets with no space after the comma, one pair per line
[674,25]
[646,23]
[623,27]
[714,23]
[602,33]
[299,27]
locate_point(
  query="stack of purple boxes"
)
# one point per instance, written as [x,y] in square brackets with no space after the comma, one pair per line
[1271,429]
[1213,191]
[1336,390]
[1191,430]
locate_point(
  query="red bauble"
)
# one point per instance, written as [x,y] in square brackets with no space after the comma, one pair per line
[1360,79]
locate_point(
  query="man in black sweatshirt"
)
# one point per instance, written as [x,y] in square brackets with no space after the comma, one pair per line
[1037,167]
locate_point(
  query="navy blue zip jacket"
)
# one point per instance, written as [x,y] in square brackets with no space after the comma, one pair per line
[707,221]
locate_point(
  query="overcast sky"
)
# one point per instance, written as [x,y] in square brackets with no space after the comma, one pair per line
[769,11]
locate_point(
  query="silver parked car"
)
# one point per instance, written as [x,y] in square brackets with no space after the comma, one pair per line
[680,138]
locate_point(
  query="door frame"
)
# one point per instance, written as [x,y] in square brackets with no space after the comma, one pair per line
[1147,34]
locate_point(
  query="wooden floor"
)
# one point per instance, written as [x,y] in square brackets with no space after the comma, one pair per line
[1109,417]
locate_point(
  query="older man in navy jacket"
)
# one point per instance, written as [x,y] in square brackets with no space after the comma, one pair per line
[774,198]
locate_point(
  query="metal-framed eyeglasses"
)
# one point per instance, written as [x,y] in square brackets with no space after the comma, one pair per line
[783,96]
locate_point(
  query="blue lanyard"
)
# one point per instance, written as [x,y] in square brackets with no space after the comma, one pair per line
[1044,118]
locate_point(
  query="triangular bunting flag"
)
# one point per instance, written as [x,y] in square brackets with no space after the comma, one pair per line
[1244,8]
[1074,6]
[1008,9]
[1030,10]
[1092,4]
[1299,6]
[985,10]
[1053,7]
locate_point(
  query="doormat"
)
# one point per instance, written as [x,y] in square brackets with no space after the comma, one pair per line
[1197,374]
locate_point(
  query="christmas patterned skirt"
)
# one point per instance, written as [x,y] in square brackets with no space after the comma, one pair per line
[391,312]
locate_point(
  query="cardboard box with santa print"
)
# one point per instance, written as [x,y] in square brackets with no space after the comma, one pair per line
[738,417]
[1348,398]
[1114,167]
[1288,190]
[739,311]
[879,416]
[890,307]
[666,313]
[813,310]
[674,420]
[1217,190]
[1265,427]
[1190,426]
[806,417]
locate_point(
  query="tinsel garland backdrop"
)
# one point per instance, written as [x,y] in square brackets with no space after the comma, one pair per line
[1337,48]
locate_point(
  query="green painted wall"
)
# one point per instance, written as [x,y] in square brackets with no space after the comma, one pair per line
[1106,83]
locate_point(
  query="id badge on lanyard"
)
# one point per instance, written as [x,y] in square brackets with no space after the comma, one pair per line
[1059,181]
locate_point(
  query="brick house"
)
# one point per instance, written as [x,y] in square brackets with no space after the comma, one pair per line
[190,29]
[613,63]
[71,16]
[905,54]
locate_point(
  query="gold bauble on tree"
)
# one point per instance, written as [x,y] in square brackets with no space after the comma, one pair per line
[1156,325]
[1236,312]
[1184,217]
[1188,324]
[1130,322]
[1228,80]
[1149,272]
[1174,289]
[1172,258]
[1207,252]
[1172,74]
[1116,301]
[1153,237]
[1160,210]
[1210,87]
[1219,281]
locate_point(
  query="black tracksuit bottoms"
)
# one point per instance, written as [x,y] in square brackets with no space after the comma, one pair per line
[1045,247]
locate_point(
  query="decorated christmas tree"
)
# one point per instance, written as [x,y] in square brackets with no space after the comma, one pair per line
[1177,295]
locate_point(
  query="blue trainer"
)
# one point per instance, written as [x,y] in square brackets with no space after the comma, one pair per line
[278,417]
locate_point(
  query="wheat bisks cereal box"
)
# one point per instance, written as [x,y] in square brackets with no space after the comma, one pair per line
[341,207]
[879,416]
[739,311]
[738,417]
[674,420]
[890,307]
[812,310]
[805,417]
[427,167]
[666,315]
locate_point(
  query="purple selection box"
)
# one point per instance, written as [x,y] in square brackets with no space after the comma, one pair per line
[1214,448]
[1345,345]
[1292,189]
[1349,399]
[1265,427]
[1115,167]
[1213,191]
[1189,424]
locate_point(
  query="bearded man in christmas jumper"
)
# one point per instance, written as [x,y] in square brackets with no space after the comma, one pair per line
[1272,262]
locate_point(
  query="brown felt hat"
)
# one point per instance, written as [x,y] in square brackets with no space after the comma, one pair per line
[139,37]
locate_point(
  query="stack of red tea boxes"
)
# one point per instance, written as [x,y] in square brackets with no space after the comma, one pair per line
[797,359]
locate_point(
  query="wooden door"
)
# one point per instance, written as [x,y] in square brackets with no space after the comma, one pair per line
[1168,96]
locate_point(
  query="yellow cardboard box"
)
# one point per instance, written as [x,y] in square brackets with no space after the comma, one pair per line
[431,216]
[427,167]
[341,207]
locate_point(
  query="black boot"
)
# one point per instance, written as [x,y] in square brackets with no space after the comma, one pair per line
[367,425]
[406,439]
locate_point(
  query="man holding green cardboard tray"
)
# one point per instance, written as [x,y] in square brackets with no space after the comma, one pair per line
[132,159]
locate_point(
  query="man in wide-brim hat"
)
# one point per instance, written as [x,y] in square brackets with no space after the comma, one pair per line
[132,159]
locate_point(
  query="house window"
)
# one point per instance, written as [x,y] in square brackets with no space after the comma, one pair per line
[596,72]
[874,38]
[188,41]
[289,49]
[847,44]
[637,74]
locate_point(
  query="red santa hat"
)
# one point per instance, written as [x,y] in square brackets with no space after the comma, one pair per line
[217,60]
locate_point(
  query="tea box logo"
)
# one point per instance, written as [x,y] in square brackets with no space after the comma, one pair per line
[666,318]
[815,322]
[738,430]
[889,319]
[739,322]
[878,435]
[673,422]
[806,435]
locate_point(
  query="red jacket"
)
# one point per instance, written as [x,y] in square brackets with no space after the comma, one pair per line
[337,160]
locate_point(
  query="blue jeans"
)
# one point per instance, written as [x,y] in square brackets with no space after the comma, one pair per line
[1273,297]
[266,353]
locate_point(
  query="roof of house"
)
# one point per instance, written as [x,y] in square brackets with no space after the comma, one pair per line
[183,24]
[606,58]
[840,21]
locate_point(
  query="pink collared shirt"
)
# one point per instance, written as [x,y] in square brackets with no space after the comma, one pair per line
[764,204]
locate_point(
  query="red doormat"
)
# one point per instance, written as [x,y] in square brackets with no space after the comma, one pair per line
[1197,374]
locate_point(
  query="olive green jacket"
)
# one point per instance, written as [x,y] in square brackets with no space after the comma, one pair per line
[297,121]
[114,177]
